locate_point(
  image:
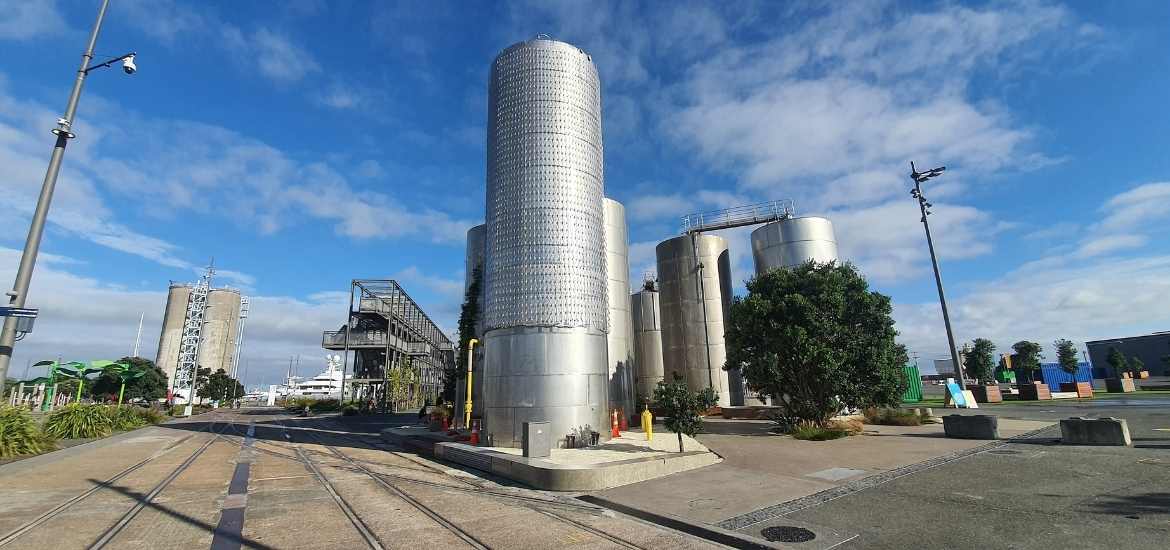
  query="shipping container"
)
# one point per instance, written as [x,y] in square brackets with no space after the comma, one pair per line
[1052,374]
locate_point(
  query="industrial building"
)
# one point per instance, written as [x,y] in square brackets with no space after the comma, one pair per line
[1152,349]
[385,326]
[218,340]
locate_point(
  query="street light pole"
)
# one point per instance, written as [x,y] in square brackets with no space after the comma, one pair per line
[923,207]
[32,245]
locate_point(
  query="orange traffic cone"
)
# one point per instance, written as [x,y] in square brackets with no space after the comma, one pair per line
[614,432]
[623,420]
[474,433]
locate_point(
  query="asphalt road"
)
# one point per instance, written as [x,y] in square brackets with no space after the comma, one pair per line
[1029,494]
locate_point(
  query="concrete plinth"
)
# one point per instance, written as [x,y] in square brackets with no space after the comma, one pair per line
[1095,431]
[978,426]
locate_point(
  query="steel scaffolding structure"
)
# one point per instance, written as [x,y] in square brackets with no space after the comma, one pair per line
[244,304]
[192,337]
[737,216]
[386,326]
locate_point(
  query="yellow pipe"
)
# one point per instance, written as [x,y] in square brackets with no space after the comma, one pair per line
[648,423]
[467,406]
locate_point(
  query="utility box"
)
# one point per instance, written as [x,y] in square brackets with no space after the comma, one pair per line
[537,442]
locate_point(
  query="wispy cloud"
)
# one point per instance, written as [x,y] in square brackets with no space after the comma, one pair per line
[25,19]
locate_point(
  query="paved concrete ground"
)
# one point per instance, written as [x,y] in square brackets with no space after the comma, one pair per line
[299,483]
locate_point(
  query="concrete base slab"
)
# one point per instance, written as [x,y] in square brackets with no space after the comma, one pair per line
[619,461]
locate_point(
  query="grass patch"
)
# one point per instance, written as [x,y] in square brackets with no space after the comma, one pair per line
[892,417]
[77,421]
[814,432]
[20,435]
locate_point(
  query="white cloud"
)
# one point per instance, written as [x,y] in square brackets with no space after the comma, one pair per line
[1109,243]
[1046,301]
[1138,206]
[25,19]
[273,54]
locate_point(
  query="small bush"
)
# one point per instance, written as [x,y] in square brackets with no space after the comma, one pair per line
[814,432]
[325,405]
[19,434]
[123,419]
[77,421]
[349,410]
[149,415]
[892,417]
[851,426]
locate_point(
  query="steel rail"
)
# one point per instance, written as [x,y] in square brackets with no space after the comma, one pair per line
[363,529]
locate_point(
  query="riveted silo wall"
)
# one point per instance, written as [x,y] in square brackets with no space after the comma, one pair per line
[647,325]
[793,241]
[167,357]
[620,338]
[546,308]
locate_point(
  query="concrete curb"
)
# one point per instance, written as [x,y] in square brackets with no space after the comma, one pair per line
[1095,431]
[704,531]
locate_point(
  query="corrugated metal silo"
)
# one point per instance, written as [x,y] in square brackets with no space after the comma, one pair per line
[473,259]
[647,325]
[220,327]
[620,337]
[692,329]
[793,241]
[545,313]
[172,329]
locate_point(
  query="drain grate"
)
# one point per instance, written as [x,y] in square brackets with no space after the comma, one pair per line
[1005,452]
[787,533]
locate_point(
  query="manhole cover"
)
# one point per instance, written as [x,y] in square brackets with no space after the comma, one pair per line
[787,533]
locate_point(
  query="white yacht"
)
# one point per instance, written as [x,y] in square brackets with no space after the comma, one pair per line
[323,386]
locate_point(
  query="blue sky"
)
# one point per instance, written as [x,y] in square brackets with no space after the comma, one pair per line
[302,144]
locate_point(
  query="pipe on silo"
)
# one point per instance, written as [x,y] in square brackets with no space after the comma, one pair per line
[545,299]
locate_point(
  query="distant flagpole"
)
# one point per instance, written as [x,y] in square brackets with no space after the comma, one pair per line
[138,339]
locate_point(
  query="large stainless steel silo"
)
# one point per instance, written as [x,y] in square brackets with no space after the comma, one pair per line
[792,241]
[473,259]
[545,314]
[695,298]
[647,324]
[171,336]
[620,337]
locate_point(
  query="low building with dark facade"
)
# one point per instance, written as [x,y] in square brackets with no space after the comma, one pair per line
[1151,348]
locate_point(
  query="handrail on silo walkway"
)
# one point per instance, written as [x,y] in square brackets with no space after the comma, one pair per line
[738,216]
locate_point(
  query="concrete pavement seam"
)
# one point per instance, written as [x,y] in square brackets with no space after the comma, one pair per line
[230,529]
[782,509]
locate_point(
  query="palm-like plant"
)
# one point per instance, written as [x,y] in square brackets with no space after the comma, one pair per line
[52,380]
[79,371]
[124,371]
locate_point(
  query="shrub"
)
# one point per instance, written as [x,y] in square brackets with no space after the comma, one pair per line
[124,419]
[811,431]
[76,421]
[892,417]
[19,434]
[324,405]
[851,426]
[349,410]
[149,415]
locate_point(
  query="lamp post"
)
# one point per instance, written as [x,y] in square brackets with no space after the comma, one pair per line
[32,244]
[924,208]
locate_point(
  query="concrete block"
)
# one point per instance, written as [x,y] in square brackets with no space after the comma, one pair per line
[1095,431]
[978,426]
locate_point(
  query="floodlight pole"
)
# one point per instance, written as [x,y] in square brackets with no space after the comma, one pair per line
[32,244]
[918,178]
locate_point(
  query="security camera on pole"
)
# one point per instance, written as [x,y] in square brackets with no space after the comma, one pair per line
[19,293]
[924,207]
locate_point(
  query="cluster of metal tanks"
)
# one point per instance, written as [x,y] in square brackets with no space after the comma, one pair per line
[556,331]
[679,328]
[220,329]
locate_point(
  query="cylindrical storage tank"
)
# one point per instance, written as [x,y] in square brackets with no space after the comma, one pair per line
[545,301]
[647,325]
[792,241]
[473,259]
[221,321]
[694,314]
[167,357]
[619,338]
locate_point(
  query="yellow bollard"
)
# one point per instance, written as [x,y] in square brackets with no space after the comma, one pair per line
[648,423]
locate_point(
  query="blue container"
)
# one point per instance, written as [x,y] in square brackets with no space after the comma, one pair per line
[1052,374]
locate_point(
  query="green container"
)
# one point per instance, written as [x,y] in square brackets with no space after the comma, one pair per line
[913,384]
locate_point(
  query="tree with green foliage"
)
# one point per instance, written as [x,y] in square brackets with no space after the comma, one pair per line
[468,319]
[1136,365]
[683,408]
[1066,356]
[399,381]
[816,340]
[1027,359]
[151,386]
[220,386]
[1116,359]
[979,362]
